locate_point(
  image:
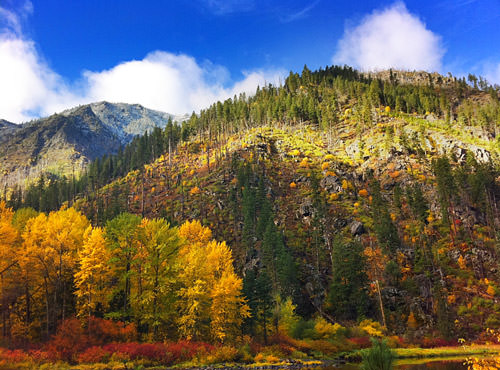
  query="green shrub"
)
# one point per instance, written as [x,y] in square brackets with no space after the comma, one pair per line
[378,357]
[493,321]
[304,329]
[298,355]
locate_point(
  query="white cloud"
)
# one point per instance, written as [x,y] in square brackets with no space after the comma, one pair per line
[174,83]
[29,86]
[491,71]
[390,38]
[169,82]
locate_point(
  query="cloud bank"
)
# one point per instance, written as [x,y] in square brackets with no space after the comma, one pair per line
[390,38]
[173,83]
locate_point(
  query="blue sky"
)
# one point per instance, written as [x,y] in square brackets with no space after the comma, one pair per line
[180,56]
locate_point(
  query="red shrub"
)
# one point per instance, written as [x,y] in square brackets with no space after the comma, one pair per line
[93,355]
[69,340]
[104,331]
[361,342]
[280,344]
[148,351]
[256,347]
[13,356]
[184,350]
[324,347]
[432,342]
[39,355]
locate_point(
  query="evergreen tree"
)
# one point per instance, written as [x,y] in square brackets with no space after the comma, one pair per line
[386,232]
[348,296]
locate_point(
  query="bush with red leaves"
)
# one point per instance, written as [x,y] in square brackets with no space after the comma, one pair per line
[361,342]
[94,355]
[433,342]
[69,340]
[102,331]
[13,356]
[72,339]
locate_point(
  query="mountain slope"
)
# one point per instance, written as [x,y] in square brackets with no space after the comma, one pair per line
[353,197]
[321,192]
[330,164]
[64,143]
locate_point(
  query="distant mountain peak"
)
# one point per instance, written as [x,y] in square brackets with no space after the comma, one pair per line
[127,120]
[68,140]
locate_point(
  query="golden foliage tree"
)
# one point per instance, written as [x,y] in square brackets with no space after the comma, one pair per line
[8,262]
[210,297]
[50,256]
[92,280]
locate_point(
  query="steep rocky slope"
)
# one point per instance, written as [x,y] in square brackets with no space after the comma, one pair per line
[321,187]
[64,143]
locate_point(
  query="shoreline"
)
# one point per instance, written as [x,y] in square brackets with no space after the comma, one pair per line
[402,355]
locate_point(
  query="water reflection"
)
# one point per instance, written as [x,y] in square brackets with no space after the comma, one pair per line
[436,365]
[452,364]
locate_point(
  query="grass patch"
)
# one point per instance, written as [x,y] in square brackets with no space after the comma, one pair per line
[447,351]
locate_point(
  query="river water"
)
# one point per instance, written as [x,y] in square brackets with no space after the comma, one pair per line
[427,364]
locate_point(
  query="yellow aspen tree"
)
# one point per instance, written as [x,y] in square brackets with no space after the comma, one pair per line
[194,300]
[92,280]
[228,308]
[210,298]
[8,239]
[194,232]
[36,266]
[65,229]
[50,245]
[8,262]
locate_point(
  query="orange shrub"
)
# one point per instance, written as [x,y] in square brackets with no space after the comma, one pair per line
[13,356]
[394,174]
[105,331]
[195,190]
[360,342]
[363,193]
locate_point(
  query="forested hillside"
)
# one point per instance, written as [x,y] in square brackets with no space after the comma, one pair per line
[352,206]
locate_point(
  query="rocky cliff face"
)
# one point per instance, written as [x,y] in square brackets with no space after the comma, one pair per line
[127,120]
[65,143]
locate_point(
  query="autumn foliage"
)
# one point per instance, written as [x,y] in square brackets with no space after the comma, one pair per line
[142,273]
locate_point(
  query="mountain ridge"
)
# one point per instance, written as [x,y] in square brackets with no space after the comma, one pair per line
[64,143]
